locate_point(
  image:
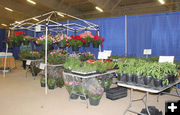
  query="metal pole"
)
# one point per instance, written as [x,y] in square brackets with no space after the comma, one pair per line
[125,35]
[46,56]
[98,35]
[4,72]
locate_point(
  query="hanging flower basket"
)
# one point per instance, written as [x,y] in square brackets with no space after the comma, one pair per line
[87,44]
[75,48]
[61,45]
[95,45]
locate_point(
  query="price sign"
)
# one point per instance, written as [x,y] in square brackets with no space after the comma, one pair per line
[41,66]
[38,28]
[147,51]
[28,62]
[108,52]
[102,55]
[169,59]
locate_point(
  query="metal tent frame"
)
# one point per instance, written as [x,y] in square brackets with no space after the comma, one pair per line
[48,24]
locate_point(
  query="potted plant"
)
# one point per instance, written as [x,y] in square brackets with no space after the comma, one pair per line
[71,63]
[57,57]
[61,40]
[23,55]
[26,40]
[33,55]
[85,93]
[72,92]
[17,37]
[97,40]
[42,81]
[88,37]
[10,43]
[106,84]
[95,95]
[34,70]
[76,42]
[51,83]
[41,41]
[60,82]
[86,56]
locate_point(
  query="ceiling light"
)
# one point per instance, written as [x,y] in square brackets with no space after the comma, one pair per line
[3,24]
[60,14]
[35,19]
[99,9]
[30,1]
[162,1]
[9,9]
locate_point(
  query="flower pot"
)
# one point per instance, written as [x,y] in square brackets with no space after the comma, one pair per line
[157,82]
[137,79]
[42,84]
[74,96]
[61,45]
[129,78]
[83,98]
[87,44]
[24,64]
[34,74]
[94,101]
[75,48]
[147,80]
[171,78]
[95,45]
[51,87]
[26,42]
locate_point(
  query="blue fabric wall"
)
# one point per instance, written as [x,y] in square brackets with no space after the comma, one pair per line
[159,32]
[2,37]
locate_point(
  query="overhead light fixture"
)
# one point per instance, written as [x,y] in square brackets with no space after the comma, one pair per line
[60,14]
[3,24]
[99,9]
[30,1]
[162,1]
[35,19]
[8,9]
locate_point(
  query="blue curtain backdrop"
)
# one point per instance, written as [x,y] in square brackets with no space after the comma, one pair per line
[159,32]
[2,38]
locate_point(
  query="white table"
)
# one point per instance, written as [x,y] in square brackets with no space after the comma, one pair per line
[147,90]
[84,78]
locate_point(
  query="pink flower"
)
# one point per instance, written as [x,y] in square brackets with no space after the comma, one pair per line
[62,37]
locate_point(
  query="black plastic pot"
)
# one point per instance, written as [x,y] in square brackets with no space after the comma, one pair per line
[83,98]
[61,45]
[75,48]
[87,44]
[137,79]
[51,87]
[157,82]
[24,64]
[74,96]
[95,45]
[94,101]
[26,42]
[147,80]
[42,84]
[129,78]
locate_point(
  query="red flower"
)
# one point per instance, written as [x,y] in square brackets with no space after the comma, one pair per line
[103,39]
[101,45]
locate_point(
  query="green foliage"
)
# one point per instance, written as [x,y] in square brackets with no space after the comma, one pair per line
[51,81]
[72,63]
[77,43]
[42,80]
[60,82]
[56,57]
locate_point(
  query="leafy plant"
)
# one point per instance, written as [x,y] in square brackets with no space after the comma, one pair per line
[42,80]
[86,55]
[60,82]
[87,36]
[57,57]
[51,81]
[96,92]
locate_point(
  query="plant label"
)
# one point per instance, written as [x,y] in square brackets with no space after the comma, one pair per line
[169,59]
[147,51]
[38,28]
[108,52]
[28,62]
[41,66]
[102,55]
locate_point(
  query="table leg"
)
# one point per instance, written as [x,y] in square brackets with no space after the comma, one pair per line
[72,88]
[83,81]
[147,94]
[130,103]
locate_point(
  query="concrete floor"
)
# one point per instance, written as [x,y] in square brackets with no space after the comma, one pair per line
[21,96]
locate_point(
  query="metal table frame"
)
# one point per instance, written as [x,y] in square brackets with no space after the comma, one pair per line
[147,90]
[84,78]
[33,63]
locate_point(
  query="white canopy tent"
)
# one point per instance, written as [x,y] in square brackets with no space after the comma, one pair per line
[46,24]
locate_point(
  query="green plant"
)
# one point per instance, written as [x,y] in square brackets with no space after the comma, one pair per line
[61,38]
[87,36]
[60,82]
[42,80]
[96,92]
[41,40]
[86,55]
[178,65]
[72,63]
[24,54]
[51,81]
[57,57]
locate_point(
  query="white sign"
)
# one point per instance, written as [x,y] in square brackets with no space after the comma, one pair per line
[42,66]
[102,55]
[38,28]
[108,52]
[28,62]
[147,51]
[169,59]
